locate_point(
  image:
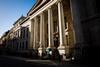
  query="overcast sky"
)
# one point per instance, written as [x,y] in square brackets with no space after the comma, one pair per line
[11,10]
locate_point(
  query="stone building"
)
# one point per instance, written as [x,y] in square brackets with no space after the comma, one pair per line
[51,26]
[4,39]
[71,26]
[17,39]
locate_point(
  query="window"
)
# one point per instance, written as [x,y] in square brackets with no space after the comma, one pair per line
[26,44]
[27,32]
[24,33]
[23,45]
[67,39]
[55,25]
[65,19]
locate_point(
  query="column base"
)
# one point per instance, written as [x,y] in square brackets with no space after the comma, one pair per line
[41,52]
[61,50]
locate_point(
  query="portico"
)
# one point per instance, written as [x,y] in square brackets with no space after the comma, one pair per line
[52,27]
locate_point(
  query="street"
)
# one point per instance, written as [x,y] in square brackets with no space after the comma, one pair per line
[6,61]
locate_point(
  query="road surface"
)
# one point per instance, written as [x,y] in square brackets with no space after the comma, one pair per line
[8,61]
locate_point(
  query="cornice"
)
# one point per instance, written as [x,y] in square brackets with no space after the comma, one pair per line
[36,6]
[21,18]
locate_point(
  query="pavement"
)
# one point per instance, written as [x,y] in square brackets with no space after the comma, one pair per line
[49,62]
[12,61]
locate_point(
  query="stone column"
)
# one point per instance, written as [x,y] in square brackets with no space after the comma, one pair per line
[62,36]
[37,32]
[42,36]
[32,35]
[36,38]
[34,45]
[50,28]
[19,39]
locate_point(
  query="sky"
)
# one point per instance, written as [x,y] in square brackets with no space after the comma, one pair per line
[11,10]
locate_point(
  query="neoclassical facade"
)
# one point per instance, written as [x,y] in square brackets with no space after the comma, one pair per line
[48,24]
[70,26]
[17,39]
[51,26]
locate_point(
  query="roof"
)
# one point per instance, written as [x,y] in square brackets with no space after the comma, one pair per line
[21,18]
[5,34]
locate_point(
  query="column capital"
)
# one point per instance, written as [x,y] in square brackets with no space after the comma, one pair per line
[41,13]
[59,1]
[49,8]
[36,19]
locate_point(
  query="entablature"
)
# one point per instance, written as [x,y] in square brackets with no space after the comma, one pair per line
[37,6]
